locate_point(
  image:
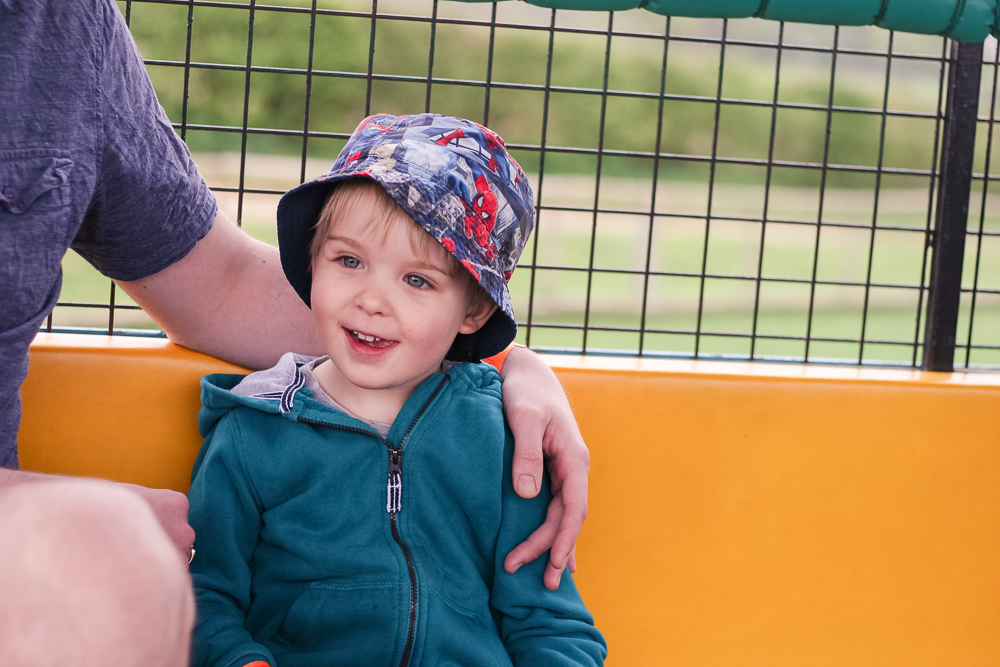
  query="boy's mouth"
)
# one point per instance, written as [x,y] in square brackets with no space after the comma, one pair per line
[370,341]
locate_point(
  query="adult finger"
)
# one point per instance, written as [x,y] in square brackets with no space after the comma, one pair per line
[564,544]
[527,424]
[538,542]
[553,575]
[568,469]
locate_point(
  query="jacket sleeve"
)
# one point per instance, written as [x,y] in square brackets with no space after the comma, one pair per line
[226,516]
[538,626]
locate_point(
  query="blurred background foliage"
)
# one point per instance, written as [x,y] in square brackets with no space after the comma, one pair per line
[277,100]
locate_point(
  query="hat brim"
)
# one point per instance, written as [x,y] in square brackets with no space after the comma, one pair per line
[298,213]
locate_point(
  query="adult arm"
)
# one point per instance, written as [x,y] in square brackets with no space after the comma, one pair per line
[169,507]
[228,297]
[545,431]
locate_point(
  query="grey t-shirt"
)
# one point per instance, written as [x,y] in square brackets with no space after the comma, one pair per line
[89,161]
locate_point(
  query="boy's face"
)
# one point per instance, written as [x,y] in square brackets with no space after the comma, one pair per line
[386,315]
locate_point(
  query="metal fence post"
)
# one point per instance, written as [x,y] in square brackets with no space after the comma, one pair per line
[945,289]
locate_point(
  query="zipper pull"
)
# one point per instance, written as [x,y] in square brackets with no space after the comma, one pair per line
[394,489]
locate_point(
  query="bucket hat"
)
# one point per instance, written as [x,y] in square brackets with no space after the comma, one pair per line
[456,179]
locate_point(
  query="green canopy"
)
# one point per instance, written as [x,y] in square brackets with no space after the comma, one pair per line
[962,20]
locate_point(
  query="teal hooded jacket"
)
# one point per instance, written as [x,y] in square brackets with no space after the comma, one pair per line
[320,543]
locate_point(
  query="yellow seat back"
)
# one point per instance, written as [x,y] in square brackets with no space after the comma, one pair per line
[114,407]
[740,514]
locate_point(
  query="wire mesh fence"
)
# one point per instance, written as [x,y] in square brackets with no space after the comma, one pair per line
[978,334]
[705,188]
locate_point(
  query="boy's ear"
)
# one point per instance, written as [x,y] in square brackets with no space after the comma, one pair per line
[479,313]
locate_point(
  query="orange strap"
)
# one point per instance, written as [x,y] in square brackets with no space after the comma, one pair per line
[496,361]
[257,663]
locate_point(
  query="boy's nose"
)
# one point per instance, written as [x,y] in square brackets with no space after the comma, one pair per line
[371,298]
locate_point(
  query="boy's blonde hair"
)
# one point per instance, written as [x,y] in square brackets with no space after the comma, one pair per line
[384,213]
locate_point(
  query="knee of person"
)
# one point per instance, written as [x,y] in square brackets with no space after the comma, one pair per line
[98,525]
[89,565]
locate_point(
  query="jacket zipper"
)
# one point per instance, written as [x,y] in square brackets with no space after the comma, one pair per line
[394,504]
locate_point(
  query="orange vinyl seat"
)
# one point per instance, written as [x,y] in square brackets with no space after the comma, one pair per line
[740,514]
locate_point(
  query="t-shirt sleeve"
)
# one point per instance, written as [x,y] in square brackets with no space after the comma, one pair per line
[150,205]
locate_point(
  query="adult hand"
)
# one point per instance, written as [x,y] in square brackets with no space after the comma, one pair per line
[545,431]
[171,509]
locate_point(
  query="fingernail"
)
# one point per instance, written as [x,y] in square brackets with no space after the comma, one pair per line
[526,485]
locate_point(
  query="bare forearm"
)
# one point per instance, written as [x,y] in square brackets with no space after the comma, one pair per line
[251,317]
[229,298]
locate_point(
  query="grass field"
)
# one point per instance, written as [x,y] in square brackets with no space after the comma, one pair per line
[678,248]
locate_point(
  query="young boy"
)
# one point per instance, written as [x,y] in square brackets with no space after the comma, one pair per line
[355,509]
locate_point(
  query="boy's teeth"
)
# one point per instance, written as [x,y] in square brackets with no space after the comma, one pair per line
[366,338]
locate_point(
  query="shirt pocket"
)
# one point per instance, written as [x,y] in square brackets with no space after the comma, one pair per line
[346,624]
[34,181]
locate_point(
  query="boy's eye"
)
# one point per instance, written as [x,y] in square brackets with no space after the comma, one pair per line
[415,281]
[350,262]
